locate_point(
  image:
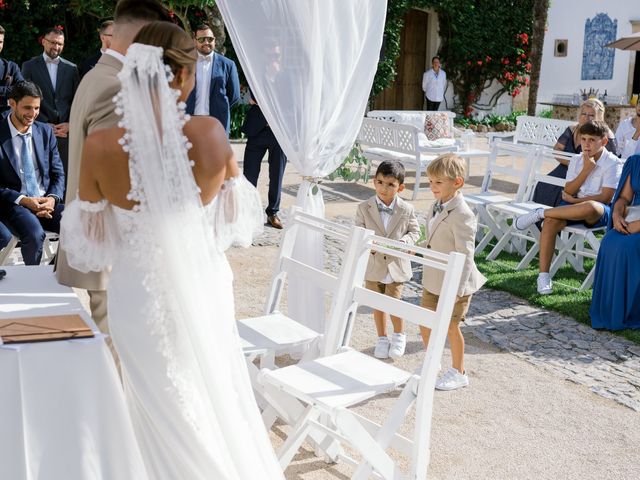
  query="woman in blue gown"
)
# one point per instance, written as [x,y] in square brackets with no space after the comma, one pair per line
[616,289]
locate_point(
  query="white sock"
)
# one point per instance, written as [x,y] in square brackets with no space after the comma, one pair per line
[540,213]
[544,275]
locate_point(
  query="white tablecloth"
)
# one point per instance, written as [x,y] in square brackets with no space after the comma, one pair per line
[62,409]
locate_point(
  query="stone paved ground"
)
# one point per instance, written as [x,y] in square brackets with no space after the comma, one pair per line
[606,364]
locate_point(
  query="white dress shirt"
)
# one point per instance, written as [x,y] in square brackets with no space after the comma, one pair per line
[203,80]
[605,175]
[624,137]
[386,217]
[16,141]
[114,54]
[52,68]
[434,84]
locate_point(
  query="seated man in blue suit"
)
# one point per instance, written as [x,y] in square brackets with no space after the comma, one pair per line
[217,86]
[31,173]
[5,236]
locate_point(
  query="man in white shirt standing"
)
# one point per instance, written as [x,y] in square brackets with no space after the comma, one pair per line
[217,86]
[434,82]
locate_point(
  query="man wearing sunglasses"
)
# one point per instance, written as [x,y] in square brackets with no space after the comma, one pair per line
[58,79]
[217,86]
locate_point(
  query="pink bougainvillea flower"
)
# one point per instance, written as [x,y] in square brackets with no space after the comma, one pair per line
[479,62]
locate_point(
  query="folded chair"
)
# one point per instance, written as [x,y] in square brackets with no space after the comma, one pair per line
[331,384]
[275,333]
[506,213]
[488,226]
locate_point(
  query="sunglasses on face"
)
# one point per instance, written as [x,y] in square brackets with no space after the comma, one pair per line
[205,39]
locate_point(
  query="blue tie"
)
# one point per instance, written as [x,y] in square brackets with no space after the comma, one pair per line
[28,169]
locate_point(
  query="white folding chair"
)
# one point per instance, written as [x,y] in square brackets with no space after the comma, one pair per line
[332,384]
[488,227]
[506,213]
[48,250]
[575,243]
[272,334]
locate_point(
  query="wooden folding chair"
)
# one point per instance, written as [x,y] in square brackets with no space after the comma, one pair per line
[488,226]
[332,384]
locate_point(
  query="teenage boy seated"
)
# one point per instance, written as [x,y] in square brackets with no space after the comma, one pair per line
[592,179]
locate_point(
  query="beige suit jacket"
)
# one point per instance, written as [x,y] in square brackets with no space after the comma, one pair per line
[403,226]
[454,230]
[92,109]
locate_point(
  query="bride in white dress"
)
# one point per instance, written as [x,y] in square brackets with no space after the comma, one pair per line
[162,222]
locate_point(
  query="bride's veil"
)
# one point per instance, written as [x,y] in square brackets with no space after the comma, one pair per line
[190,282]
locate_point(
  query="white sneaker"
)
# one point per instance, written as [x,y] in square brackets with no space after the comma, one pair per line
[382,348]
[525,221]
[545,285]
[452,380]
[398,344]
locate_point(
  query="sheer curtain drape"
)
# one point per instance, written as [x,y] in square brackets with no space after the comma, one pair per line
[310,65]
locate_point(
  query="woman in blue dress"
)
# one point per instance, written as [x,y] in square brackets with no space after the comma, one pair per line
[616,289]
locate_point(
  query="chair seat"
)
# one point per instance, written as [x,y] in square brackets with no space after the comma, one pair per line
[518,208]
[274,332]
[485,198]
[339,380]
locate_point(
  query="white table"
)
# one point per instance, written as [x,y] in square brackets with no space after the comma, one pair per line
[472,153]
[62,408]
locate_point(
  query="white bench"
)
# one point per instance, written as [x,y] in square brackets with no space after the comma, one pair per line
[534,130]
[387,140]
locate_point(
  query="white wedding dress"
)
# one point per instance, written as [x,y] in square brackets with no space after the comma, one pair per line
[170,297]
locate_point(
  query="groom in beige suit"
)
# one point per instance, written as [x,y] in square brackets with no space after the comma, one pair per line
[93,109]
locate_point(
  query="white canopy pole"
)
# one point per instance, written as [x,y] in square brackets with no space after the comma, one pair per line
[310,65]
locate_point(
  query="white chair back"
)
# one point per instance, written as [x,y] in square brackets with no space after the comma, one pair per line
[540,131]
[520,170]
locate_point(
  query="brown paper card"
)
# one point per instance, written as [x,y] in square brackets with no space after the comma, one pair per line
[41,329]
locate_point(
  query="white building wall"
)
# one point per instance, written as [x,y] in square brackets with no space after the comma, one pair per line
[566,20]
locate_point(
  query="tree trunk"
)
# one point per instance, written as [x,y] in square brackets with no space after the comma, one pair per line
[540,9]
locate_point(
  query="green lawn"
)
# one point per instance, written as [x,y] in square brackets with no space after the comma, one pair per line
[566,299]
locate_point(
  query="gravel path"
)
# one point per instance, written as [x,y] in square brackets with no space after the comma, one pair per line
[549,398]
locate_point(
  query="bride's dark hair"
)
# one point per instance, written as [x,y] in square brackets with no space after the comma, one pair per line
[179,50]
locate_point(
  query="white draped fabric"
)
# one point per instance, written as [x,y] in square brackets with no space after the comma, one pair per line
[310,65]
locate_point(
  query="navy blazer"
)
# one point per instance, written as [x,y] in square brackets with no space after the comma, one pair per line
[56,106]
[9,75]
[224,91]
[47,157]
[254,121]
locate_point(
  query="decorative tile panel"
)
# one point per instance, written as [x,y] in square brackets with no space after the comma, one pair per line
[597,60]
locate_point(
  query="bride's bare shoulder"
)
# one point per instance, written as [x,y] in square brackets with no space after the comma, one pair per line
[103,143]
[208,139]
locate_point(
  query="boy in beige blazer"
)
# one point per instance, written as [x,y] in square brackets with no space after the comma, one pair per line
[388,216]
[451,227]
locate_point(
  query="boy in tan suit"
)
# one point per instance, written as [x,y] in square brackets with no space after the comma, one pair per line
[388,216]
[451,227]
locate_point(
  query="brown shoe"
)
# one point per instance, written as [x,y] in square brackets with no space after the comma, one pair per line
[274,221]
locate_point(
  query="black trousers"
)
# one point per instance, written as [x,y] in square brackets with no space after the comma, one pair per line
[432,106]
[257,146]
